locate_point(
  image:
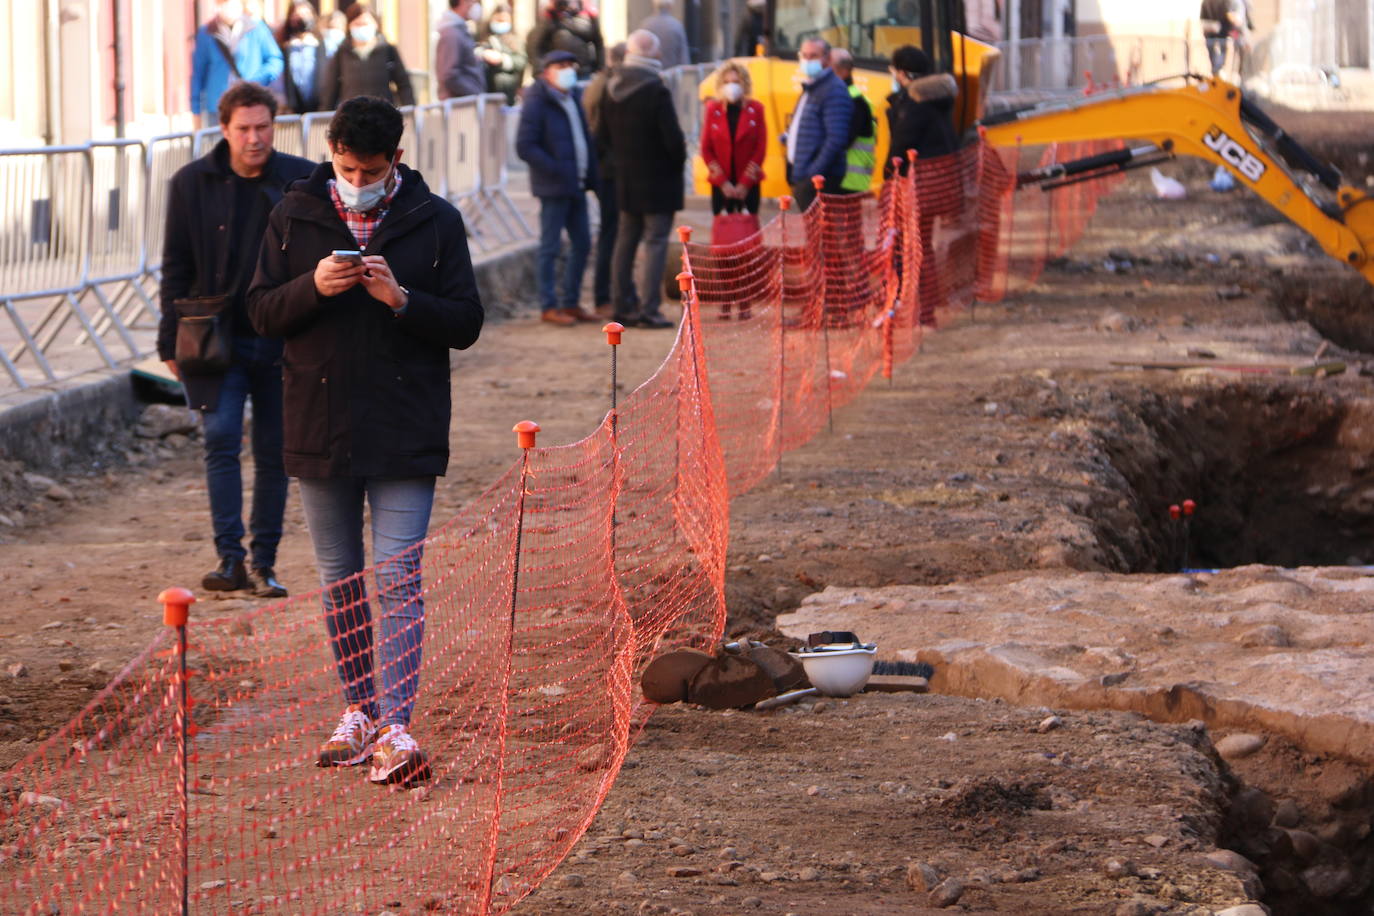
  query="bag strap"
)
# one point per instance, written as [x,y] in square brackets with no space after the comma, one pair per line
[228,56]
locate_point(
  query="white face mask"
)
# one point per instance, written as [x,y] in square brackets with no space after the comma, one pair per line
[366,198]
[566,77]
[499,27]
[363,34]
[733,92]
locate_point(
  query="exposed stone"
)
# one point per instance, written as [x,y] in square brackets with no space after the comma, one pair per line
[1234,747]
[947,892]
[922,877]
[18,669]
[1227,860]
[1117,867]
[1270,635]
[1049,724]
[159,420]
[1245,909]
[1327,881]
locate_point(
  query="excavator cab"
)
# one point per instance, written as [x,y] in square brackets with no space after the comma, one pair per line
[870,30]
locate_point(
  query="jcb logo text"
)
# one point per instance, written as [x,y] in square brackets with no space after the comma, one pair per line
[1233,154]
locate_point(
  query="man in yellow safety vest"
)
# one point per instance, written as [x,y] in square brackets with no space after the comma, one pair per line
[859,157]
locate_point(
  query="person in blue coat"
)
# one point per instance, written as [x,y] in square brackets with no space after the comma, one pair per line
[230,48]
[817,137]
[553,139]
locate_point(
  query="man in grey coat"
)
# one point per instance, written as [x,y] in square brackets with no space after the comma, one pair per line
[672,37]
[455,55]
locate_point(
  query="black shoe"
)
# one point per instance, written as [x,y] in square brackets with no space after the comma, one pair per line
[265,584]
[656,321]
[230,577]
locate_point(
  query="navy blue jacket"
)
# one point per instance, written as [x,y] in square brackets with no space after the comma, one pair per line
[545,141]
[823,134]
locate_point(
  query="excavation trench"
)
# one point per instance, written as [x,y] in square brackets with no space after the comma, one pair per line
[1281,474]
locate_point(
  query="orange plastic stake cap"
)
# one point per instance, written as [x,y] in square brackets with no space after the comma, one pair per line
[684,281]
[613,332]
[525,431]
[785,202]
[896,162]
[1175,512]
[817,181]
[911,155]
[176,606]
[1189,506]
[684,233]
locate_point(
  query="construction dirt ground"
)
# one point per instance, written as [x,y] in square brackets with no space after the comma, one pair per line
[1019,460]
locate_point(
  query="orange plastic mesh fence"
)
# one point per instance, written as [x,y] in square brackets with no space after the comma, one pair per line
[538,605]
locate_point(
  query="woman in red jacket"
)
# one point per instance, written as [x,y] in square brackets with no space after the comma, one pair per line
[733,138]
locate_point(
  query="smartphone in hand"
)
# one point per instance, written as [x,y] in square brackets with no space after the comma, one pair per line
[349,255]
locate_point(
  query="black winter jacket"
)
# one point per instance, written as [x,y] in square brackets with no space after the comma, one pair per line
[347,75]
[921,118]
[639,124]
[366,390]
[196,249]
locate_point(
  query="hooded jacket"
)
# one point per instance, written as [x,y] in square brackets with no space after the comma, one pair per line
[639,125]
[921,119]
[200,231]
[366,390]
[823,134]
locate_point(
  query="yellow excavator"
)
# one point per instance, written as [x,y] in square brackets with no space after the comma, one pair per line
[1207,118]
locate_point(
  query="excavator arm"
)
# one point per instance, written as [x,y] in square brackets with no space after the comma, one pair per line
[1209,119]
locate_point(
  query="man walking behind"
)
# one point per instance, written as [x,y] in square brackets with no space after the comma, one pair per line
[459,71]
[672,37]
[217,210]
[367,403]
[605,184]
[554,140]
[230,48]
[639,123]
[817,137]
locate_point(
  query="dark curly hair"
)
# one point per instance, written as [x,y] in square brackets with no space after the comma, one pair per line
[366,126]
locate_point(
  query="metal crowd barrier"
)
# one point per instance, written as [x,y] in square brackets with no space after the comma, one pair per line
[82,227]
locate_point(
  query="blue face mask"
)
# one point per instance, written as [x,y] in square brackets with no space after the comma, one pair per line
[896,86]
[499,28]
[811,68]
[566,78]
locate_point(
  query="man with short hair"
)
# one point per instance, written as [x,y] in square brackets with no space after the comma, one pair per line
[553,138]
[217,210]
[863,129]
[367,404]
[458,71]
[639,122]
[672,37]
[818,134]
[1222,21]
[232,47]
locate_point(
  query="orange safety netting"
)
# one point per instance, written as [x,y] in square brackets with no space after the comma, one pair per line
[542,601]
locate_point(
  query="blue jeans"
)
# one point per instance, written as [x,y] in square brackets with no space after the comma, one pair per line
[400,519]
[254,373]
[555,215]
[1216,53]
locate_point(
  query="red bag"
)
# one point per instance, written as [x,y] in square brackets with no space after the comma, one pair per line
[733,228]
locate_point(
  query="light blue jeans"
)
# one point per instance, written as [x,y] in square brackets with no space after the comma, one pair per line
[400,519]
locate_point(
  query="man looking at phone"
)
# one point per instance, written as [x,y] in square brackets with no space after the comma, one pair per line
[367,403]
[217,210]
